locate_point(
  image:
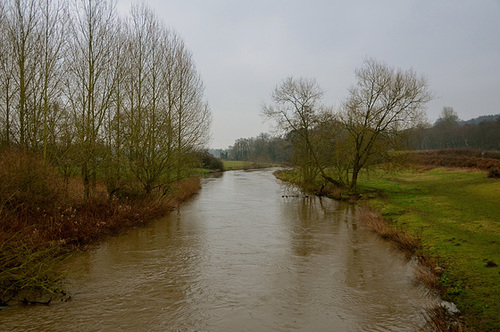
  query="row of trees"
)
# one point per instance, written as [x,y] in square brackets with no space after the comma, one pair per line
[113,96]
[450,133]
[263,148]
[382,109]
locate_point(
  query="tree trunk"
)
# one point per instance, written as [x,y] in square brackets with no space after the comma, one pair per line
[354,180]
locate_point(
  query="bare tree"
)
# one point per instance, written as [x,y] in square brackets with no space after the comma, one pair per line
[114,161]
[192,115]
[24,36]
[7,67]
[91,77]
[297,111]
[166,116]
[146,118]
[30,62]
[83,88]
[52,48]
[447,129]
[384,103]
[448,116]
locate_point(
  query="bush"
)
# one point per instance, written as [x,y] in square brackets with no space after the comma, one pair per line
[208,161]
[494,173]
[27,183]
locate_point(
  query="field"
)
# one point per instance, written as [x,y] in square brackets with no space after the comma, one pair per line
[231,165]
[456,214]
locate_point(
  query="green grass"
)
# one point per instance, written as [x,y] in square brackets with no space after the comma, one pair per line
[457,216]
[231,165]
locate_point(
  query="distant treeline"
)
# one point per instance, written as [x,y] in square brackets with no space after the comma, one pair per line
[450,133]
[263,148]
[447,133]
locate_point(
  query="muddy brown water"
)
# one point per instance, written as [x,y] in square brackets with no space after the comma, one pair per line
[246,254]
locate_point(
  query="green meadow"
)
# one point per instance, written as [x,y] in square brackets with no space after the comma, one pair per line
[456,214]
[231,165]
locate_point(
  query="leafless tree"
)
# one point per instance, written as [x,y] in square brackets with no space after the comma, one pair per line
[52,48]
[7,66]
[91,78]
[146,118]
[192,114]
[23,35]
[83,88]
[383,104]
[298,113]
[166,116]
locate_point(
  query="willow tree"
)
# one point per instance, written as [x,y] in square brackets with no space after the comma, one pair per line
[383,105]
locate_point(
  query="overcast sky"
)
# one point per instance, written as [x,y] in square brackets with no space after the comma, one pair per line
[243,49]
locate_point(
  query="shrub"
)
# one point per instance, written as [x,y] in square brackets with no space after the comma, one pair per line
[208,161]
[27,183]
[494,173]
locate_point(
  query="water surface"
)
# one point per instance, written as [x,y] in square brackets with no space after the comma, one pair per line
[246,254]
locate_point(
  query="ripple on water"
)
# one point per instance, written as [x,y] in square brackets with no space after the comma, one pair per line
[239,256]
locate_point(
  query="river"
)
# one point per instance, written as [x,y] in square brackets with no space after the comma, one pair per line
[247,254]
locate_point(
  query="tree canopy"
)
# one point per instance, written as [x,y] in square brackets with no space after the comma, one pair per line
[381,108]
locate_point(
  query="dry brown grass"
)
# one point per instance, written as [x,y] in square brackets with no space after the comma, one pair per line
[85,222]
[439,319]
[464,158]
[400,237]
[427,271]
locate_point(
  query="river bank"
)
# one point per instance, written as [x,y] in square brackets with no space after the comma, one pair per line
[451,218]
[44,218]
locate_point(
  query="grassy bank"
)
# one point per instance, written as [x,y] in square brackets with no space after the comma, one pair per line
[449,217]
[456,214]
[43,218]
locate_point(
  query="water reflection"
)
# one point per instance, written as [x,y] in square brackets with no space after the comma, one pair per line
[246,254]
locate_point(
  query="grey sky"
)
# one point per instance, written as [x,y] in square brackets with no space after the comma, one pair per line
[243,49]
